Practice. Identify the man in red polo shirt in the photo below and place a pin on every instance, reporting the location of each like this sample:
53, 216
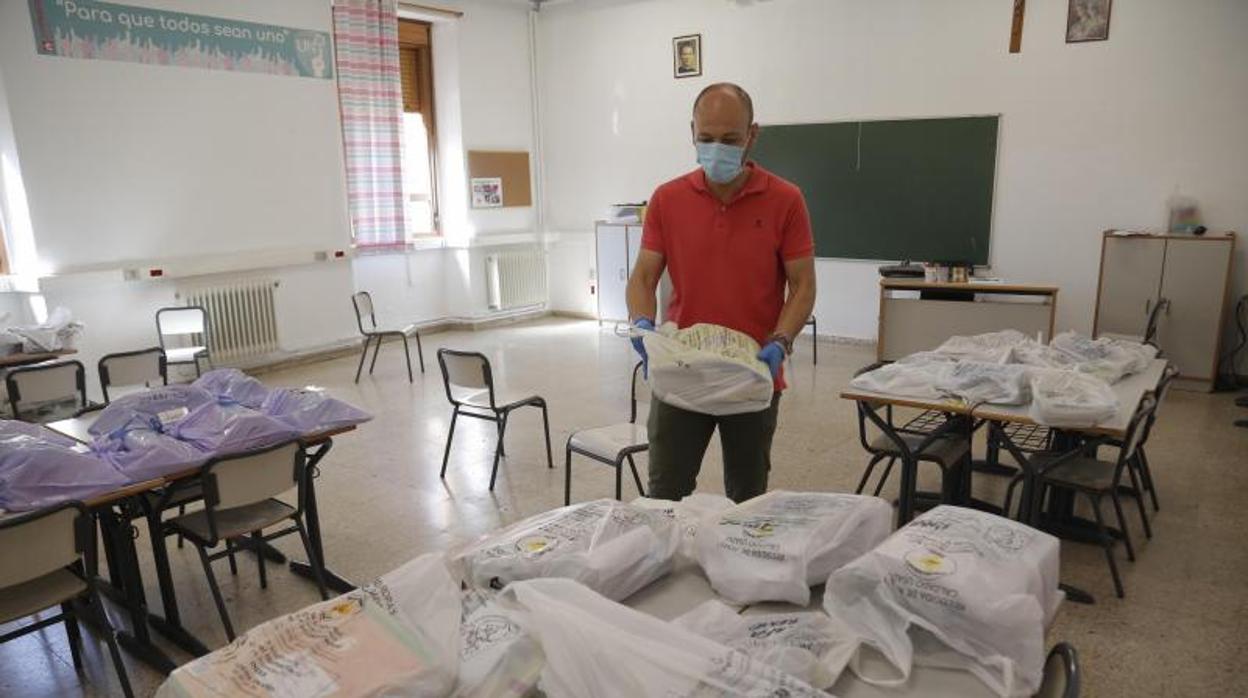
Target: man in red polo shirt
732, 236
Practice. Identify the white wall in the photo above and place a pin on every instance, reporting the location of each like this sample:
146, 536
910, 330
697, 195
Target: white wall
1092, 136
124, 161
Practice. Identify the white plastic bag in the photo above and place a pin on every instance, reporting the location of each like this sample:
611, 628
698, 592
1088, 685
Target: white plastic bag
60, 331
990, 347
611, 547
915, 376
976, 382
775, 546
1070, 399
708, 369
981, 585
596, 647
1106, 358
688, 514
397, 636
496, 658
804, 644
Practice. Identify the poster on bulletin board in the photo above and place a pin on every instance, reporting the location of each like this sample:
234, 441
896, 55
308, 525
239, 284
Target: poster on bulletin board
112, 32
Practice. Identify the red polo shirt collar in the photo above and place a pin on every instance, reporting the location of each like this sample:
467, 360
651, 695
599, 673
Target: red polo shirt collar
757, 182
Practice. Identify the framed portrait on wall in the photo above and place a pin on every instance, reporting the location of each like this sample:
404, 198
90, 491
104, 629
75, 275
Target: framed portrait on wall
1087, 20
687, 56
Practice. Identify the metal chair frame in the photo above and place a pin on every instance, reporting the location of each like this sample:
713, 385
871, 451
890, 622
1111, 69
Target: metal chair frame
206, 354
372, 333
105, 379
494, 412
257, 540
91, 612
15, 395
814, 339
625, 454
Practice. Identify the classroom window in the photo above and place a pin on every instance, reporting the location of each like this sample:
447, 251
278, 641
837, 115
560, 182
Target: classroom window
419, 129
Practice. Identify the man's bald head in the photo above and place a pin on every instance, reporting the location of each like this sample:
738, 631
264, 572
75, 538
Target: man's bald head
718, 92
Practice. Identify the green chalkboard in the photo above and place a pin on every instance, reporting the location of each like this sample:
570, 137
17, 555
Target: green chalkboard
918, 189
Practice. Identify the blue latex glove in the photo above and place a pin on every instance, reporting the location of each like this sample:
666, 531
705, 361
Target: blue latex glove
643, 323
773, 356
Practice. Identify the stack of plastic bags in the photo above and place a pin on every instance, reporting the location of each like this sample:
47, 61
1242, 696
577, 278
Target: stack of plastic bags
955, 588
398, 636
235, 385
310, 411
609, 546
708, 369
39, 468
775, 546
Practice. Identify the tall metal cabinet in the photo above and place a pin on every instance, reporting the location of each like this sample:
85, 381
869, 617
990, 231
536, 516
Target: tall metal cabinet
618, 245
1192, 273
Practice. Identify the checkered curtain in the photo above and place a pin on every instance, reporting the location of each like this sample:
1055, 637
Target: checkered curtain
370, 97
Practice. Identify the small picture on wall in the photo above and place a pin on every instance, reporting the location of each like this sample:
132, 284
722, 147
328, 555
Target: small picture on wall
1087, 20
487, 192
687, 56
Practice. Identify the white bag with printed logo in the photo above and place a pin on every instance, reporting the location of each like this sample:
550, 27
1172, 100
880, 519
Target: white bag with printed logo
597, 647
805, 644
394, 637
1070, 398
775, 546
689, 514
496, 658
611, 547
980, 587
708, 369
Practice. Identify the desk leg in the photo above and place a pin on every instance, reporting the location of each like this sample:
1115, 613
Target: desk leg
138, 640
313, 521
170, 625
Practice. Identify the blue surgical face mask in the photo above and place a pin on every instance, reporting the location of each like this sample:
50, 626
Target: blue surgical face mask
721, 162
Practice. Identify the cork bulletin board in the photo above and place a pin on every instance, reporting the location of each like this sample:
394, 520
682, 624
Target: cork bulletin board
511, 167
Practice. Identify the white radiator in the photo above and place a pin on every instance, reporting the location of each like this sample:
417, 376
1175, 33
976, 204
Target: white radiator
516, 278
242, 320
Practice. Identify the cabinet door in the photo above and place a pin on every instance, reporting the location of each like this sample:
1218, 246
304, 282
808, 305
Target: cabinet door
634, 246
1194, 281
1130, 279
612, 272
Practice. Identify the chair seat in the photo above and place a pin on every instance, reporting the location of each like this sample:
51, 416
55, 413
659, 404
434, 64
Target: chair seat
39, 593
232, 523
1088, 474
503, 399
608, 442
183, 355
946, 450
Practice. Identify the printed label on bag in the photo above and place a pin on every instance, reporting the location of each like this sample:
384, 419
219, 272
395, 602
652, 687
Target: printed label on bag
170, 416
779, 529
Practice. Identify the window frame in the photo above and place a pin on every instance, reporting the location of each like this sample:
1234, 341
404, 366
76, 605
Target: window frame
416, 41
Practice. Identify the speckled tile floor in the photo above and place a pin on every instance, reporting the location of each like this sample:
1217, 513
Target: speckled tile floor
1182, 629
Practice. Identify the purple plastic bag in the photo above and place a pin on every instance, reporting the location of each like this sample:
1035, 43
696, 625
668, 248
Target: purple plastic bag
39, 468
312, 411
235, 385
142, 453
157, 408
225, 429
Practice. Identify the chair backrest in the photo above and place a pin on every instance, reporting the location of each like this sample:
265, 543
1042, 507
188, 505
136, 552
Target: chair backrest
362, 301
45, 383
146, 367
42, 541
1137, 427
465, 373
639, 392
182, 320
236, 481
1061, 673
1154, 317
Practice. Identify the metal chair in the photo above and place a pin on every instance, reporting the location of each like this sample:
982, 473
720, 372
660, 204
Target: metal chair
47, 392
1141, 460
1154, 318
468, 379
1097, 479
813, 322
239, 503
188, 320
363, 304
1062, 677
131, 369
48, 556
945, 445
612, 444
